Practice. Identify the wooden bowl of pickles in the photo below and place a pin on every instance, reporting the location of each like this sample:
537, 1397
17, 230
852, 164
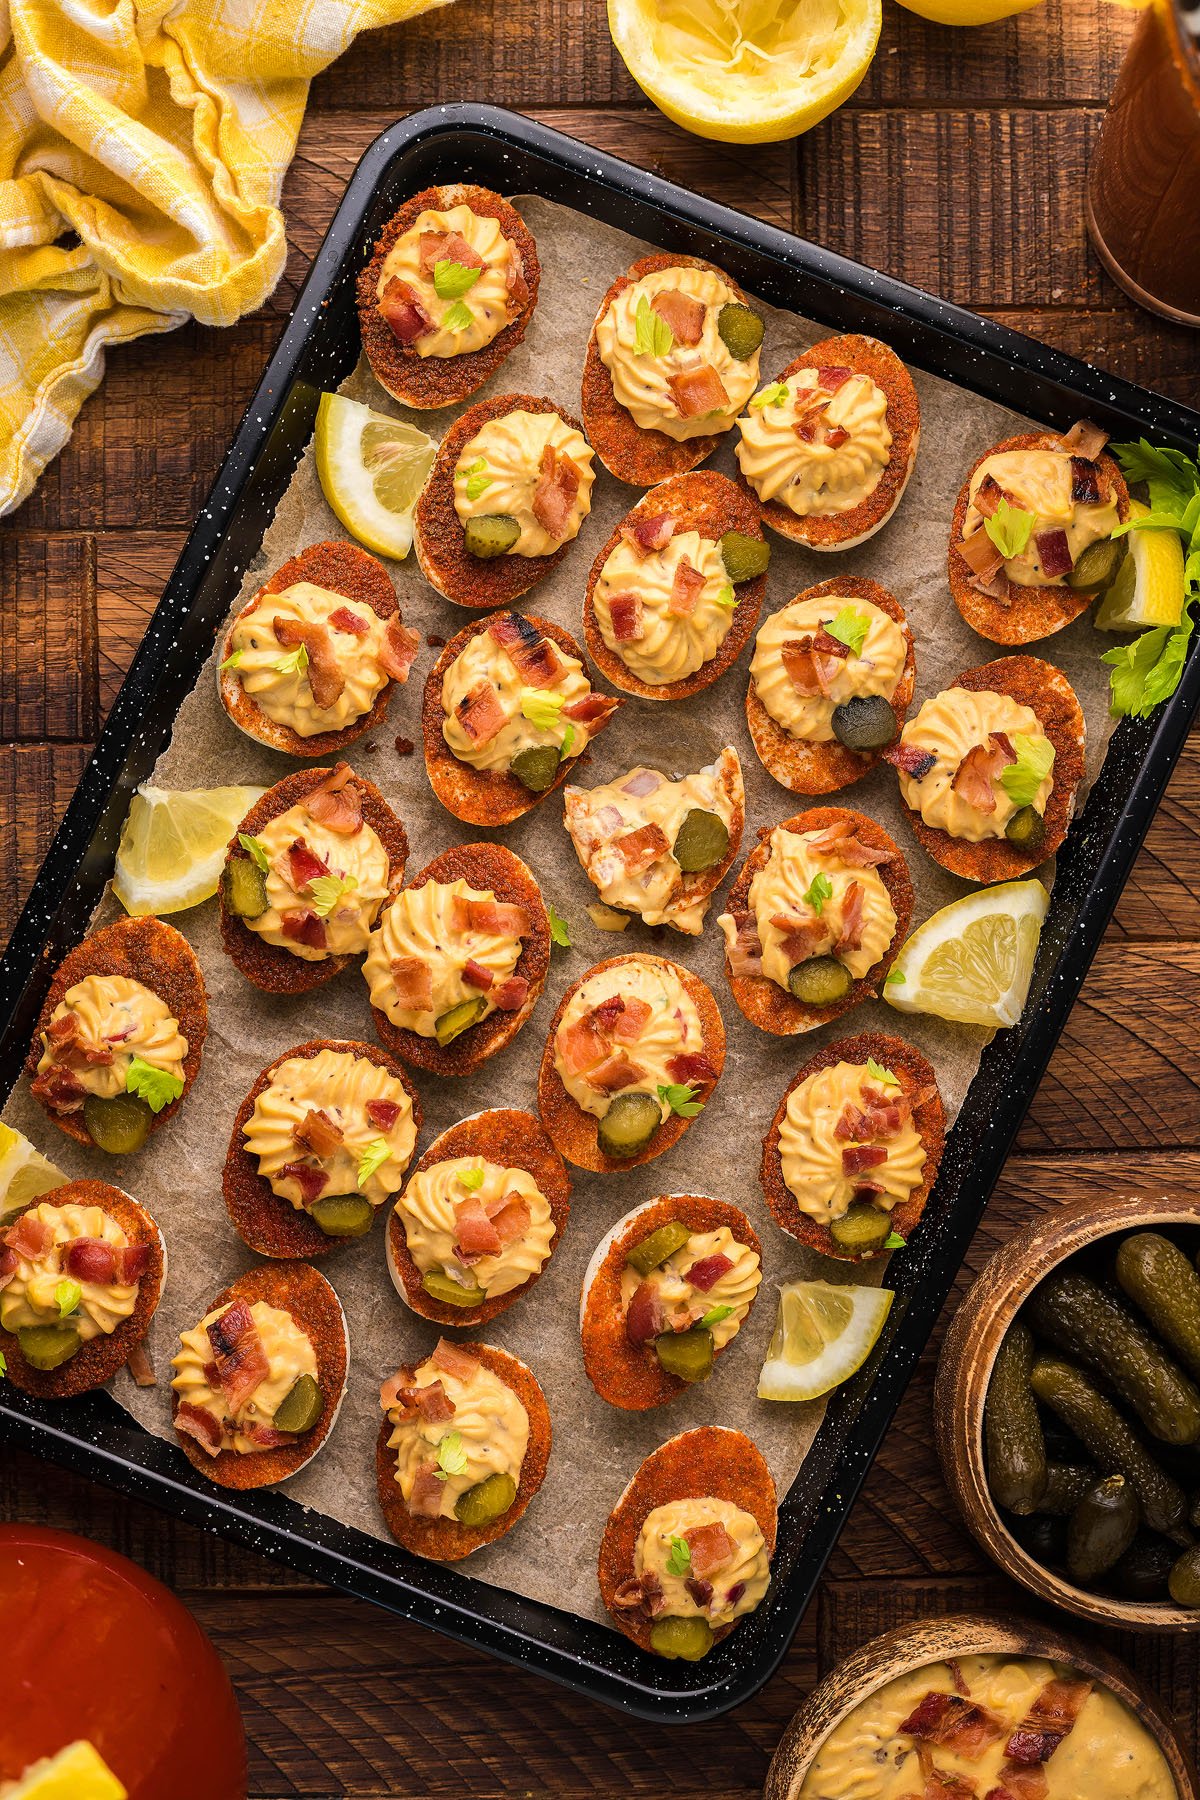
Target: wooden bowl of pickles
1067, 1410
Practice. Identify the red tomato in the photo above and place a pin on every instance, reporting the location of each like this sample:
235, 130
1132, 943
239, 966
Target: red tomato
92, 1647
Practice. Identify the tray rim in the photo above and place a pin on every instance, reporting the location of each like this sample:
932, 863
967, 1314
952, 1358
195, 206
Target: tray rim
618, 1678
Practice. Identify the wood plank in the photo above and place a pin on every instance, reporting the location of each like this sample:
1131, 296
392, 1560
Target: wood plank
1162, 896
132, 568
48, 676
1141, 348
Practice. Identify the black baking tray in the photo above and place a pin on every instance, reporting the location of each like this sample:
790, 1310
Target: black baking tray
319, 346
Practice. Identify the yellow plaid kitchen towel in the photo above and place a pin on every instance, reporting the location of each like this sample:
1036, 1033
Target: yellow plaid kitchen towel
143, 145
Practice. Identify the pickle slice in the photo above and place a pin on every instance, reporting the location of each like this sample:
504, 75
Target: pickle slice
300, 1407
701, 841
452, 1024
744, 556
686, 1354
740, 330
118, 1124
862, 1228
654, 1250
1026, 829
486, 1501
536, 767
821, 981
342, 1215
491, 535
689, 1639
48, 1346
440, 1286
629, 1124
245, 888
864, 722
1097, 566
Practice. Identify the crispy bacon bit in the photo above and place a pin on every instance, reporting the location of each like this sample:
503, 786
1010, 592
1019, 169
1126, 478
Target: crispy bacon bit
643, 1593
626, 613
265, 1437
382, 1114
1084, 439
311, 1181
412, 979
324, 673
69, 1047
592, 710
857, 1157
1020, 1782
830, 380
403, 313
94, 1259
608, 1013
691, 1068
540, 665
58, 1089
476, 976
238, 1354
447, 246
836, 436
398, 650
802, 938
797, 658
141, 1365
648, 535
480, 713
808, 428
1054, 553
645, 1316
1085, 481
344, 620
303, 927
513, 1219
638, 849
511, 631
318, 1133
682, 313
685, 590
614, 1073
496, 918
1050, 1719
304, 866
556, 492
941, 1785
708, 1271
701, 1591
711, 1547
196, 1423
978, 770
988, 496
745, 952
425, 1500
433, 1402
582, 1044
956, 1724
453, 1361
511, 995
632, 1019
629, 1596
980, 554
850, 937
698, 391
910, 759
853, 1123
30, 1237
337, 802
8, 1266
473, 1230
393, 1387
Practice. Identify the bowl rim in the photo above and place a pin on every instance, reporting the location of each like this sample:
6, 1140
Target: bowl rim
964, 1372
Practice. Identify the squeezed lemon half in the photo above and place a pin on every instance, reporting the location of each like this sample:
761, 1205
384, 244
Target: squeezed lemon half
372, 469
972, 961
823, 1332
967, 12
746, 71
173, 846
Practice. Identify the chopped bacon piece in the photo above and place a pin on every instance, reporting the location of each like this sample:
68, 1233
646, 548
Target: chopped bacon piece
62, 1034
711, 1547
850, 937
304, 866
853, 1123
58, 1089
884, 1117
1019, 1781
238, 1354
910, 759
141, 1365
476, 976
425, 1500
1085, 481
691, 1068
303, 927
513, 1219
265, 1437
645, 1316
808, 428
30, 1237
495, 918
956, 1724
69, 1048
830, 380
398, 650
540, 666
980, 555
1050, 1719
940, 1784
802, 938
638, 849
512, 630
648, 535
978, 770
453, 1361
433, 1402
403, 313
480, 713
382, 1114
630, 1597
608, 1014
94, 1259
555, 493
447, 246
1084, 439
592, 710
642, 1593
829, 646
511, 995
311, 1181
324, 673
318, 1133
614, 1073
797, 658
337, 803
626, 613
473, 1230
701, 1591
582, 1044
196, 1423
682, 313
698, 391
393, 1387
745, 952
412, 979
1054, 553
685, 590
631, 1020
857, 1157
8, 1266
988, 496
345, 620
708, 1271
836, 436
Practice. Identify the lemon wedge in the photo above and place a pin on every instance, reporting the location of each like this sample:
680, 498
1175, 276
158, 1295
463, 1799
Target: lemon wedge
24, 1172
823, 1333
173, 846
77, 1773
746, 71
372, 469
1148, 589
967, 12
972, 961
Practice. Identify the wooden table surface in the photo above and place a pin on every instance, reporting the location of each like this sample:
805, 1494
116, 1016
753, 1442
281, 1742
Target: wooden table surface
959, 164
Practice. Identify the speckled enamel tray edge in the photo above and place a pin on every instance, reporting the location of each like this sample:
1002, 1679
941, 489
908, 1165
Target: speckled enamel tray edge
318, 346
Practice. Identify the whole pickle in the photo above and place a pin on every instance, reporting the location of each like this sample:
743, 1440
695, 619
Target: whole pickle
1165, 1287
1066, 1484
1110, 1442
1101, 1529
1142, 1573
1041, 1536
1183, 1583
1016, 1450
1093, 1326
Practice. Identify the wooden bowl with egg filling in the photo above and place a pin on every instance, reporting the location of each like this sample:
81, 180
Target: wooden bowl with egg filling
870, 357
343, 569
916, 1077
266, 1223
441, 544
269, 966
912, 1648
634, 455
431, 381
762, 1000
712, 505
964, 1375
514, 1140
1028, 613
487, 796
812, 768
